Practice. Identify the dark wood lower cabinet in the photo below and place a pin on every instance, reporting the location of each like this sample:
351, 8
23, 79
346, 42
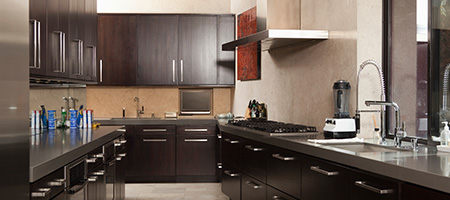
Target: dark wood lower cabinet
158, 156
284, 171
413, 192
370, 187
274, 194
252, 189
231, 182
196, 155
253, 159
324, 180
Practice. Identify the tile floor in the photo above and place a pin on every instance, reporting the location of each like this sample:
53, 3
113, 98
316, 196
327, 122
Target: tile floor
174, 191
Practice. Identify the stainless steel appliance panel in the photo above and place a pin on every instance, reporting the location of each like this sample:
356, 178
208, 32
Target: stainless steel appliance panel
14, 134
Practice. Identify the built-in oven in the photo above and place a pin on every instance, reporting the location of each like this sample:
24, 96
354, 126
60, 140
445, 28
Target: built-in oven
76, 176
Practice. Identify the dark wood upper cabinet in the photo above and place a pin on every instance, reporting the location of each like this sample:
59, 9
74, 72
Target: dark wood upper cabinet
38, 37
76, 39
57, 38
157, 49
197, 50
90, 40
62, 35
225, 59
117, 49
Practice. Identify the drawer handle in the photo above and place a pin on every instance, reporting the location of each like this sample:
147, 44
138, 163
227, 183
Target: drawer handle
91, 160
119, 143
363, 184
229, 173
253, 185
277, 198
57, 183
195, 129
122, 155
100, 155
324, 172
256, 149
154, 140
280, 157
196, 140
99, 173
219, 136
121, 130
231, 141
155, 130
93, 179
41, 192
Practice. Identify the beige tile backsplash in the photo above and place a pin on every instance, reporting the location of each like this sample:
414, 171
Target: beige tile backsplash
52, 98
108, 102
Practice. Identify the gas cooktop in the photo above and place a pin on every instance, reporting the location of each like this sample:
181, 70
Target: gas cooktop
275, 128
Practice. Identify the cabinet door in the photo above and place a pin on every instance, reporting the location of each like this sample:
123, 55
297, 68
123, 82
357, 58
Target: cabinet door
158, 49
253, 155
197, 50
319, 176
119, 184
76, 39
284, 171
413, 192
231, 182
252, 189
157, 156
117, 49
90, 40
38, 36
133, 160
57, 38
196, 155
370, 187
231, 151
225, 59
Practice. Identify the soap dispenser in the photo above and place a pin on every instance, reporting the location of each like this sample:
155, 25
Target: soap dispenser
445, 134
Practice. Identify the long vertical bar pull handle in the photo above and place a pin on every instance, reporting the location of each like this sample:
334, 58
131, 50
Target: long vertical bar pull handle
182, 71
101, 70
173, 71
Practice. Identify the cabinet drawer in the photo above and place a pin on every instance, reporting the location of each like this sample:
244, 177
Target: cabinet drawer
49, 186
230, 150
231, 182
95, 158
197, 129
196, 155
155, 130
274, 194
157, 155
370, 187
252, 189
414, 192
319, 176
253, 157
284, 171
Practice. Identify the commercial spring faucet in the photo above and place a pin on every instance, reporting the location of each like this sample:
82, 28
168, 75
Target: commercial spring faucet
139, 112
382, 97
399, 131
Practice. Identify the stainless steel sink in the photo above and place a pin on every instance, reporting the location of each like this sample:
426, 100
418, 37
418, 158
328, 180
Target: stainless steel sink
367, 147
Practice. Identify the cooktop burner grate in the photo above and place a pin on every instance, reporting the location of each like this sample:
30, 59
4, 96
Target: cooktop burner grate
273, 126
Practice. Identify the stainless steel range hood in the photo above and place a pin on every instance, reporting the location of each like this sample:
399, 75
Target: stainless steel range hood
278, 25
276, 38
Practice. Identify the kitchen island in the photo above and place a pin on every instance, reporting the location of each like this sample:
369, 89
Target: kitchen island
53, 149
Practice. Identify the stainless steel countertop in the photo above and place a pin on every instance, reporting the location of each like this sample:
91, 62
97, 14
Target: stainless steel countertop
51, 150
150, 121
427, 167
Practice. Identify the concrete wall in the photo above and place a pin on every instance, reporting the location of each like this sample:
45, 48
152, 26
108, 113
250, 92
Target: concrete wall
167, 6
296, 82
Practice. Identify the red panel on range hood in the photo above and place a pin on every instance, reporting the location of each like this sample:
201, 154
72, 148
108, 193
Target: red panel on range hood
249, 67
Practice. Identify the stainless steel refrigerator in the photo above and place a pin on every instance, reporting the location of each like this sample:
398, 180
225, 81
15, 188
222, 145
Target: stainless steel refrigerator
14, 100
